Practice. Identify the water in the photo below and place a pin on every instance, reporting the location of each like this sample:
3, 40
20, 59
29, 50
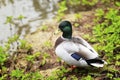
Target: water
35, 12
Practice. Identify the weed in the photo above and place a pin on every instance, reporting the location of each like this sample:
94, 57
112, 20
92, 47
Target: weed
17, 73
62, 9
3, 77
116, 78
83, 2
88, 77
44, 28
3, 56
117, 3
45, 56
76, 2
24, 45
91, 3
61, 72
9, 20
37, 76
32, 57
78, 16
107, 33
13, 39
109, 75
20, 17
47, 44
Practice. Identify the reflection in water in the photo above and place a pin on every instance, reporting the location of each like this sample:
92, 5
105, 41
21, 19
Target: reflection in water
35, 12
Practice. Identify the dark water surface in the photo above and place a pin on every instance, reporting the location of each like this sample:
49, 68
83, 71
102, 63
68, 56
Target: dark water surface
35, 12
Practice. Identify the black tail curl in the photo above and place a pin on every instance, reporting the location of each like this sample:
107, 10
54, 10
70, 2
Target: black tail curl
96, 60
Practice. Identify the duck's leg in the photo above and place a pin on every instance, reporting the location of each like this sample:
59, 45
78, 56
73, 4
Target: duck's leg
72, 67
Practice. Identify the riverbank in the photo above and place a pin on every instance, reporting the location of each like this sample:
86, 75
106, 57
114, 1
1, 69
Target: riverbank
34, 58
49, 30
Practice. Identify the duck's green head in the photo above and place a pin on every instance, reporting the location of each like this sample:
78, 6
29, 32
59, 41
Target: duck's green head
66, 28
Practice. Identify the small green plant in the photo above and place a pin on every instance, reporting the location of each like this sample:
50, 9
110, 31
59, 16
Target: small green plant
74, 77
21, 75
47, 43
62, 9
117, 3
17, 73
3, 77
32, 76
45, 56
44, 28
110, 76
15, 43
116, 78
78, 16
100, 13
83, 2
32, 57
20, 17
87, 2
37, 76
3, 56
88, 77
13, 39
9, 20
60, 72
24, 44
12, 43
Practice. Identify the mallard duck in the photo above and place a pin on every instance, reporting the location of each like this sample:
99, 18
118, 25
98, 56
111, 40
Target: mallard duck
76, 51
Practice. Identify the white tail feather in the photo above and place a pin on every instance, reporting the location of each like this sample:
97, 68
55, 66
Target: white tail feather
97, 64
105, 62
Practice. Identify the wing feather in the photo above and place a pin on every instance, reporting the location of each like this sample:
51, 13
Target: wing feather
80, 46
84, 43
